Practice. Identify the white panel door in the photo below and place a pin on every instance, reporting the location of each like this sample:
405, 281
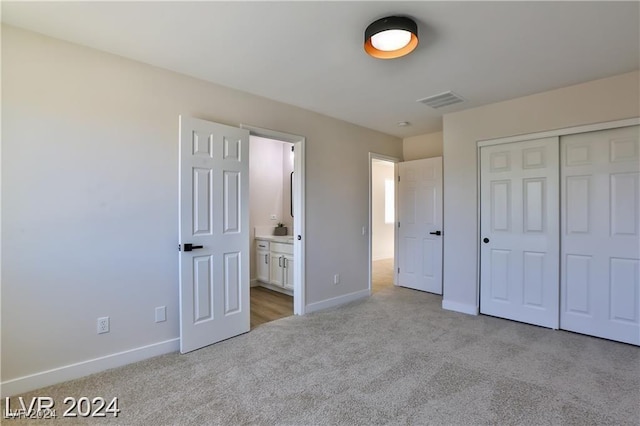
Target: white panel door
519, 221
213, 219
420, 224
600, 281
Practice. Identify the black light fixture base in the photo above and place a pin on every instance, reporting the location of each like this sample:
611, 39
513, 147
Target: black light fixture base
391, 23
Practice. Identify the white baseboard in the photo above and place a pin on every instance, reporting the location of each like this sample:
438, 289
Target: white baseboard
276, 288
84, 368
254, 283
460, 307
336, 301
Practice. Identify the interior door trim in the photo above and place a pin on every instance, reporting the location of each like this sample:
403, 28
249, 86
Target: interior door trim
299, 252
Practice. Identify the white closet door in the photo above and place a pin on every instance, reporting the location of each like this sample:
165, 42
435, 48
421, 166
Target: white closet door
519, 253
600, 291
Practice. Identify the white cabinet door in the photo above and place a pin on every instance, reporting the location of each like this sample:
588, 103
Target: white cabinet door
519, 221
600, 288
288, 271
420, 224
262, 265
214, 187
275, 276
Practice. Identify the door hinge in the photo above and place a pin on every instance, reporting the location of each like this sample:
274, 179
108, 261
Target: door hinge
398, 224
398, 178
398, 270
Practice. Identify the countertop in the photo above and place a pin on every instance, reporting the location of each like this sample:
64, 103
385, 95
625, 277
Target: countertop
285, 239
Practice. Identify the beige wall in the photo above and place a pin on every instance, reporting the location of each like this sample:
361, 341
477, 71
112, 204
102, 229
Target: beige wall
597, 101
418, 147
382, 241
90, 197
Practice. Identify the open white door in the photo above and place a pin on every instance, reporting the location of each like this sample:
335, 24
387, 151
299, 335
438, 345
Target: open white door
420, 224
213, 232
519, 223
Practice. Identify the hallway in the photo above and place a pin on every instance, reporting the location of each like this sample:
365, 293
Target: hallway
381, 275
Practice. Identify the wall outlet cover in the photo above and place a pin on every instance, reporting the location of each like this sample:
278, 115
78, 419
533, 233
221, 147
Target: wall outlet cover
103, 325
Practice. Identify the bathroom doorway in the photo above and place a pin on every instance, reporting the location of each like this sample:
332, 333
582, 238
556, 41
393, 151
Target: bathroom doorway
276, 206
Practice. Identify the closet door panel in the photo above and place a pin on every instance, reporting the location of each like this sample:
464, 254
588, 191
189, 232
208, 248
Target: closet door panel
600, 230
519, 253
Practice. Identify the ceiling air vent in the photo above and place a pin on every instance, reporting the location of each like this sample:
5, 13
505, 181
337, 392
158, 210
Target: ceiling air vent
441, 100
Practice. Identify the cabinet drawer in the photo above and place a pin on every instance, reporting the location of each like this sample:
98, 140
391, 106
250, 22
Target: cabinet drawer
282, 248
262, 245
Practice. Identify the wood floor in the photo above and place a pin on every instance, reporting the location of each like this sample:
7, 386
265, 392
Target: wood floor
268, 305
381, 275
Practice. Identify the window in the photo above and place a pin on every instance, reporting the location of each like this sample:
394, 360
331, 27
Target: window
389, 209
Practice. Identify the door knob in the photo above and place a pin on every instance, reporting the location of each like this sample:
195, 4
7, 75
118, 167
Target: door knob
189, 247
485, 240
436, 233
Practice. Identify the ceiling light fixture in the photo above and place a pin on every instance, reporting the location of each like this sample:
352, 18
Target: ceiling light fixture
391, 37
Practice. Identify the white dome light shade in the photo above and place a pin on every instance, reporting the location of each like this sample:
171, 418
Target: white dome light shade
391, 37
391, 40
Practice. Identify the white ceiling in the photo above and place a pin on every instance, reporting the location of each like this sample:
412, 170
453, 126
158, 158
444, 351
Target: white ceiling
310, 54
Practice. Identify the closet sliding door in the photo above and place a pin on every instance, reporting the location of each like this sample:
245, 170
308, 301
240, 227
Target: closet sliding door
519, 225
600, 262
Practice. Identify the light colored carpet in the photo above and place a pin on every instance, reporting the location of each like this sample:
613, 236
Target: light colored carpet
394, 358
381, 275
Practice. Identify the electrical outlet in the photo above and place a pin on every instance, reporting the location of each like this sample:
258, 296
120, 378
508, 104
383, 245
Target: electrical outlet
103, 325
274, 217
336, 279
161, 313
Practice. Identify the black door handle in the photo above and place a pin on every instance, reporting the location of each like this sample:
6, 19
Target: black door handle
485, 240
436, 233
189, 247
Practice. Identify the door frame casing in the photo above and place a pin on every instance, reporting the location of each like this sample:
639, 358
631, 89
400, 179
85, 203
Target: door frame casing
525, 137
299, 282
395, 161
